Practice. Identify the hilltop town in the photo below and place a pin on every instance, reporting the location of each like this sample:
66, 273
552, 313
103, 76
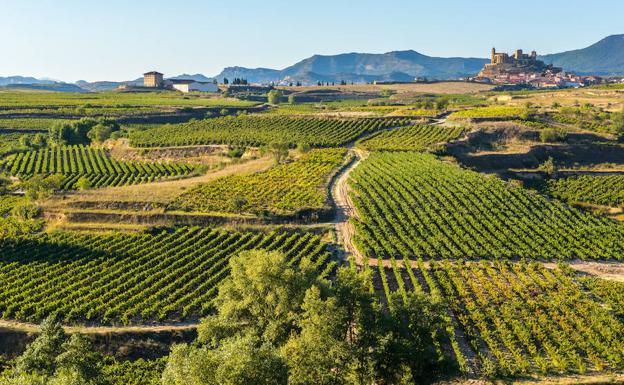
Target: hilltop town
525, 69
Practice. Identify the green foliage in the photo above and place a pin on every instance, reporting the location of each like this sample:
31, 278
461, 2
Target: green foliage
492, 112
54, 358
287, 326
415, 205
82, 131
551, 135
138, 372
601, 190
113, 278
40, 186
411, 138
69, 164
274, 96
83, 183
25, 211
254, 130
283, 189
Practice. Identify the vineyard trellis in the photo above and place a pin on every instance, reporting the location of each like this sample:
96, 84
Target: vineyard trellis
517, 317
283, 189
415, 205
131, 278
411, 138
95, 164
260, 130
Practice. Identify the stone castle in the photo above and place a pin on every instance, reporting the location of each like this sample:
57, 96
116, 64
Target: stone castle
519, 62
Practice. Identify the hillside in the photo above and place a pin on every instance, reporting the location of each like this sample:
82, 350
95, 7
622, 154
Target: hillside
605, 58
363, 67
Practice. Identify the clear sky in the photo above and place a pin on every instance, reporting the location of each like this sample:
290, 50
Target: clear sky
121, 39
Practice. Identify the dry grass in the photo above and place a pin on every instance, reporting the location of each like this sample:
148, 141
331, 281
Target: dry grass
611, 100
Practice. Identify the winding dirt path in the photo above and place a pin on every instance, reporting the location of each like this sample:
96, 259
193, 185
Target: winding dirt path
345, 209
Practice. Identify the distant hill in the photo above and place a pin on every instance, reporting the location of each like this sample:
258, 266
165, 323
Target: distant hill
9, 80
58, 87
361, 67
196, 77
605, 58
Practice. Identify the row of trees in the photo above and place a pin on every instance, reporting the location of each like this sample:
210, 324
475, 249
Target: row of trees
83, 131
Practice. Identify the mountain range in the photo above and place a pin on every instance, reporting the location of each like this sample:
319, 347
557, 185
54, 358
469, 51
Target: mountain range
604, 58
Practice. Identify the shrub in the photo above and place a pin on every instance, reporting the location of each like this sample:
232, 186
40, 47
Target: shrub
551, 135
25, 211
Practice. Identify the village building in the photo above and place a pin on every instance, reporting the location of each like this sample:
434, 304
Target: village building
190, 85
153, 79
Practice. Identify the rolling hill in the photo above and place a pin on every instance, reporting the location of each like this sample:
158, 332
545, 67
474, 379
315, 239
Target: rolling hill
605, 58
362, 67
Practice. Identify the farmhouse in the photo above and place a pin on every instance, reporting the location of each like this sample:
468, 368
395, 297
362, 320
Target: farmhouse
153, 79
189, 85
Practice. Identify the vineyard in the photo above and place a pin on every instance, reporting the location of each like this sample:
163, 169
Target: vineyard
95, 164
259, 130
503, 112
130, 278
285, 188
411, 138
414, 205
600, 190
518, 318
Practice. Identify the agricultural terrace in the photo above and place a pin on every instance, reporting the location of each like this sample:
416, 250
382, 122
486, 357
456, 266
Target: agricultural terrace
259, 130
38, 124
501, 112
284, 189
601, 190
518, 318
94, 164
411, 138
12, 99
137, 278
413, 205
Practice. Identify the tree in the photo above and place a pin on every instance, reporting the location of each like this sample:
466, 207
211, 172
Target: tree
319, 354
618, 125
99, 133
39, 187
273, 96
548, 167
238, 203
279, 151
83, 183
226, 81
303, 148
78, 132
53, 358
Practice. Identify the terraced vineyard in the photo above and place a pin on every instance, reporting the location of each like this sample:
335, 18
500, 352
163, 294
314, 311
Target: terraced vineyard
491, 112
600, 190
95, 164
411, 138
284, 189
260, 130
414, 205
519, 318
130, 278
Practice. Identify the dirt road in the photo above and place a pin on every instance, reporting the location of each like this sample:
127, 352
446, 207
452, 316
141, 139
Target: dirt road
345, 210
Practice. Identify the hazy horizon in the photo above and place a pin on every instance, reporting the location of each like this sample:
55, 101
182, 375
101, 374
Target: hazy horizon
72, 40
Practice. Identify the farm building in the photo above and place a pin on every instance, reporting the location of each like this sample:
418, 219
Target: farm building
153, 79
189, 85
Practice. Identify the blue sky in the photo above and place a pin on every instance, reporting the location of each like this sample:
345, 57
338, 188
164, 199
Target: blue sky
119, 40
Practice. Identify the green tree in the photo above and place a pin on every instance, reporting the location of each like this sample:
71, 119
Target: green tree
99, 133
274, 96
319, 354
238, 203
279, 151
53, 358
40, 187
83, 183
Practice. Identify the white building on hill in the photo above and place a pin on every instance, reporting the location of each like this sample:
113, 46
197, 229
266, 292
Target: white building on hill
189, 85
